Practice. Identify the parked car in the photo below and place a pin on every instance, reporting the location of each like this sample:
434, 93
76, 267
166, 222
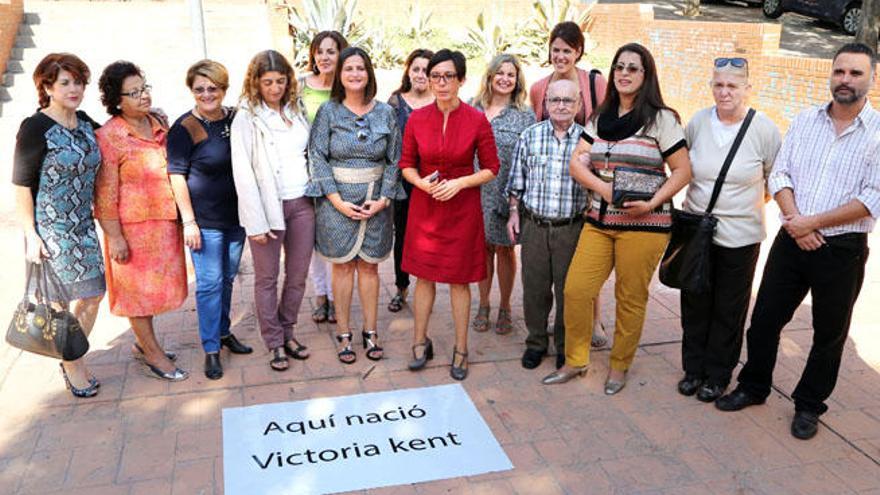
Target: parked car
845, 13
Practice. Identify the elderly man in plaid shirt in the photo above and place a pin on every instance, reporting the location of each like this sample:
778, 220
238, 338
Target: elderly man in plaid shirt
546, 207
826, 180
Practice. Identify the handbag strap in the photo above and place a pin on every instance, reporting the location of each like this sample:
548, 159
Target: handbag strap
729, 160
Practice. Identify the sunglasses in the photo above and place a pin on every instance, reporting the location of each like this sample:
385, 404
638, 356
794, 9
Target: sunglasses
363, 128
629, 69
737, 62
206, 89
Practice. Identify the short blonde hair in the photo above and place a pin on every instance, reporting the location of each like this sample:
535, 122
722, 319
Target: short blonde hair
518, 97
215, 71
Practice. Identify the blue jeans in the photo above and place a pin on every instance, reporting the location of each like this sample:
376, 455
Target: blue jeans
216, 264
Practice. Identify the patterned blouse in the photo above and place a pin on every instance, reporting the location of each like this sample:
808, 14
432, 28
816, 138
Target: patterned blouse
133, 183
646, 149
355, 157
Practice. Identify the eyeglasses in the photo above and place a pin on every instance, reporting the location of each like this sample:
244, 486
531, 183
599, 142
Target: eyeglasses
737, 62
445, 77
136, 93
561, 101
206, 89
363, 128
629, 69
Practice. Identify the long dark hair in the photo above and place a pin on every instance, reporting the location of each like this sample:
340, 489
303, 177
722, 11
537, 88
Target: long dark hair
649, 100
337, 92
405, 83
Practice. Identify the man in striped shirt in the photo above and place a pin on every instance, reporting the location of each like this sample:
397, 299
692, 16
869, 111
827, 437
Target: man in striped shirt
826, 180
547, 204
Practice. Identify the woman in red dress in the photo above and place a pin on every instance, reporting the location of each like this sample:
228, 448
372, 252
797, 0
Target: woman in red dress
444, 233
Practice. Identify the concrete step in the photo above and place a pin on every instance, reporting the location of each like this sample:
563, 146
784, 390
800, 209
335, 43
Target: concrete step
14, 66
24, 41
31, 18
17, 53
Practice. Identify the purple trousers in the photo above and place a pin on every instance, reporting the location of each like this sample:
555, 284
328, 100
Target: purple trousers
277, 318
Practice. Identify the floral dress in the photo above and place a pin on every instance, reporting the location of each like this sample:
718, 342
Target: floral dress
506, 127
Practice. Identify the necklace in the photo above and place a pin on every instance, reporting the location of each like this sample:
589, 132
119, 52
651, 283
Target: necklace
224, 133
610, 146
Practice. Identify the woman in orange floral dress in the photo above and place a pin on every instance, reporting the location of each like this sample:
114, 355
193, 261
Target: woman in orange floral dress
143, 245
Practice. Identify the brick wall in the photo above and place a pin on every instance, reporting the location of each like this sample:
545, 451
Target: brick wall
10, 17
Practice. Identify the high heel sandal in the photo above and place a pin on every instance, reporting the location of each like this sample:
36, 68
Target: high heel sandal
459, 372
346, 351
82, 393
374, 351
138, 354
427, 353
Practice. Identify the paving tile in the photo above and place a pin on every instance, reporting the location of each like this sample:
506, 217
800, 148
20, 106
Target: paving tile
194, 477
45, 472
198, 444
93, 465
148, 457
152, 487
646, 472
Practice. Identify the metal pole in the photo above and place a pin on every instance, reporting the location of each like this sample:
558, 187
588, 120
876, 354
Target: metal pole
197, 25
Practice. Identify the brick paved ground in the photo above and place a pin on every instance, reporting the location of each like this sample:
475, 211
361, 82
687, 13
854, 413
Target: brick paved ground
143, 436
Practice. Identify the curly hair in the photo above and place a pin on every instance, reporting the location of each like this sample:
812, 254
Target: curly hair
110, 84
263, 62
518, 97
46, 73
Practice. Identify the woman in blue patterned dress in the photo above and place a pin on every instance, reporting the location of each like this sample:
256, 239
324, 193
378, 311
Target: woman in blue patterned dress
502, 97
354, 148
56, 160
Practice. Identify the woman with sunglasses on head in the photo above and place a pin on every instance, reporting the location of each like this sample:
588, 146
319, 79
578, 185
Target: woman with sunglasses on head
200, 169
55, 163
713, 321
445, 241
502, 98
354, 148
134, 203
566, 48
269, 139
314, 90
412, 94
632, 137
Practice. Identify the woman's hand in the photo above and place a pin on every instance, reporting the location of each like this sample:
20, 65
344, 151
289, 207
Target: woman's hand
34, 250
262, 239
373, 206
447, 189
192, 235
637, 208
427, 186
513, 226
351, 210
118, 249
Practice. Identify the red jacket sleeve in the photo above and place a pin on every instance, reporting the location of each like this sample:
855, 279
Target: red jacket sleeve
487, 152
409, 153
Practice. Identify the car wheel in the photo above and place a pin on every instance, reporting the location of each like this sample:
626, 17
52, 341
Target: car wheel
772, 8
852, 19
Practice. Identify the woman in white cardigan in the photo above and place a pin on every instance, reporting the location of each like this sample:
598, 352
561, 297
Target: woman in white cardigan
713, 322
270, 136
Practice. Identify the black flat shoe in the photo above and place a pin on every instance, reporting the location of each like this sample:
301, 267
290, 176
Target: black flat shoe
213, 368
296, 350
689, 385
232, 343
82, 393
804, 425
459, 372
532, 358
419, 362
737, 400
710, 392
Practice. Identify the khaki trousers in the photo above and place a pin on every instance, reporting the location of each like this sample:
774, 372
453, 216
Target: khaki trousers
633, 256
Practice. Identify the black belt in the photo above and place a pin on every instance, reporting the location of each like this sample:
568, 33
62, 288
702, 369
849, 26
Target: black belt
551, 222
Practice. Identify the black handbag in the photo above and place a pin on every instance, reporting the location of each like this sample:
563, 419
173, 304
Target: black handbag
635, 184
687, 262
39, 327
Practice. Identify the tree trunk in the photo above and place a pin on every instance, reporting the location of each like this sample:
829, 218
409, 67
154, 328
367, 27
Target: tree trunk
868, 30
692, 8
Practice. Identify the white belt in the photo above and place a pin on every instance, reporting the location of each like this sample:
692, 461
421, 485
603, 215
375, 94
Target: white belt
357, 175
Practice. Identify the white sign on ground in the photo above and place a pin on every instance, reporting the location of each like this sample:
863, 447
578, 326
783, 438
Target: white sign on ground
356, 442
